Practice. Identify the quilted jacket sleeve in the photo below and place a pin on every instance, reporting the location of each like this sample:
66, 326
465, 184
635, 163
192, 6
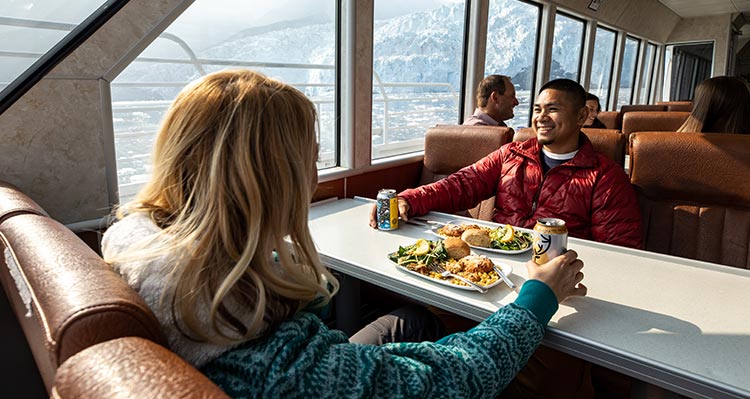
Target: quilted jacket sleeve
615, 214
459, 191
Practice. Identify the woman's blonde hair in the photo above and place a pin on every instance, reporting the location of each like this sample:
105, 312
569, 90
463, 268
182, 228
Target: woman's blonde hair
721, 105
233, 176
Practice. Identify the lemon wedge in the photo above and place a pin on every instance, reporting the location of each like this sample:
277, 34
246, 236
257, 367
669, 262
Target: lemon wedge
421, 247
507, 234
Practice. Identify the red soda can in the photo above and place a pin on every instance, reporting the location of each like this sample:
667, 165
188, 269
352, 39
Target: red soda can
550, 239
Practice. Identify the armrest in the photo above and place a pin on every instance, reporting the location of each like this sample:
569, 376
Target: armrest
131, 367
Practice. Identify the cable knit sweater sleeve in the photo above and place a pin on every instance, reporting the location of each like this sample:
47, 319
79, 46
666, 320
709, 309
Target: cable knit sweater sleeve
303, 359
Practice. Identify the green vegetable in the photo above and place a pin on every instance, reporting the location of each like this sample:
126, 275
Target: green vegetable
405, 255
521, 240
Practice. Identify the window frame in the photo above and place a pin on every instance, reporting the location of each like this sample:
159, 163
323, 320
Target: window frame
584, 22
606, 105
635, 66
34, 73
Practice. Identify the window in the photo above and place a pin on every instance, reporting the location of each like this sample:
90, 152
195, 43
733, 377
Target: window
297, 48
627, 74
648, 67
30, 29
512, 35
601, 65
417, 57
567, 48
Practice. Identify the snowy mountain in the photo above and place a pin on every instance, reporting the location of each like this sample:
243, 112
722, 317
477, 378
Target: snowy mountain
418, 47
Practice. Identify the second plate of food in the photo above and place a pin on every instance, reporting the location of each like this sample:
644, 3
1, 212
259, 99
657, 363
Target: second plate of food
504, 239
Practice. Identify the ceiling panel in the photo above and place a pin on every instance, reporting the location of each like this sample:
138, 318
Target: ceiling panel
697, 8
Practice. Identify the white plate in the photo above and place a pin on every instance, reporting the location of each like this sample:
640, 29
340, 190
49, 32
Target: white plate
506, 268
495, 250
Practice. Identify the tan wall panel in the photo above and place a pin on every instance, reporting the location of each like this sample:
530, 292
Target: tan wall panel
54, 136
52, 151
712, 28
646, 18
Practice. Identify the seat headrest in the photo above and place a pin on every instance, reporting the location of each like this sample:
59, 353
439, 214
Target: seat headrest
711, 168
610, 119
64, 295
610, 142
663, 121
524, 134
449, 148
13, 201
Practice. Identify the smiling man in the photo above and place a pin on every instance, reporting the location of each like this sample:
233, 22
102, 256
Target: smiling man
558, 175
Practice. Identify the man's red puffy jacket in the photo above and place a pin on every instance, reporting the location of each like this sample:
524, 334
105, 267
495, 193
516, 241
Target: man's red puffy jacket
590, 192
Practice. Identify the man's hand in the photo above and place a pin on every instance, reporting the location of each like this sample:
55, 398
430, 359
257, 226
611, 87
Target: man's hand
403, 212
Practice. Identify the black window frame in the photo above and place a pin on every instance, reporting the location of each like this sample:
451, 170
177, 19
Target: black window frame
583, 40
41, 67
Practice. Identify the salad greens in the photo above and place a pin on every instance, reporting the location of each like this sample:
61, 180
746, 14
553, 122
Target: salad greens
422, 252
521, 240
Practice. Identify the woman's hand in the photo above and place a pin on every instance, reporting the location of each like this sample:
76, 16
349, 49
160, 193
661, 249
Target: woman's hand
403, 212
562, 274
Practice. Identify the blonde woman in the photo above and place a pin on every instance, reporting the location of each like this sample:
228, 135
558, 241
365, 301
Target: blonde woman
204, 244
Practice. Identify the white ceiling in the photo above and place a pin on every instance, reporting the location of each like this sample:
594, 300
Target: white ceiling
697, 8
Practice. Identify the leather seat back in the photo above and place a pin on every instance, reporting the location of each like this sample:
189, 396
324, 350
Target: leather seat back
610, 119
680, 106
694, 193
13, 202
638, 108
663, 121
448, 148
65, 297
131, 367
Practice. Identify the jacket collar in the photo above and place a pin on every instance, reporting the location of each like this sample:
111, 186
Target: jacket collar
585, 158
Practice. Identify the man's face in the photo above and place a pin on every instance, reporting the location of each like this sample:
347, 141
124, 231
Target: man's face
504, 103
556, 121
592, 106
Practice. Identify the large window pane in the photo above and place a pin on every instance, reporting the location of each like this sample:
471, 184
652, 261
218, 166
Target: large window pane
417, 53
627, 75
601, 65
30, 28
567, 48
512, 35
298, 49
646, 78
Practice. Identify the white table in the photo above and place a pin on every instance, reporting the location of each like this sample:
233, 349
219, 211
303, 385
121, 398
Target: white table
674, 322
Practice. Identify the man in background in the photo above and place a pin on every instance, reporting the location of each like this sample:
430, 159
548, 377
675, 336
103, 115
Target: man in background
496, 98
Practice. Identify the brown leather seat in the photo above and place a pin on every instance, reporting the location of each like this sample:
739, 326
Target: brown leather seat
131, 368
610, 119
694, 192
638, 108
449, 148
13, 202
609, 142
663, 121
65, 297
681, 106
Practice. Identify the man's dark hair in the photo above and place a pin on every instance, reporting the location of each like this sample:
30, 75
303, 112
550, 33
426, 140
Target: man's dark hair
488, 85
571, 87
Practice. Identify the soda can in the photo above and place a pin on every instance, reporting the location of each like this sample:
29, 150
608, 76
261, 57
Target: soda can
550, 239
387, 209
